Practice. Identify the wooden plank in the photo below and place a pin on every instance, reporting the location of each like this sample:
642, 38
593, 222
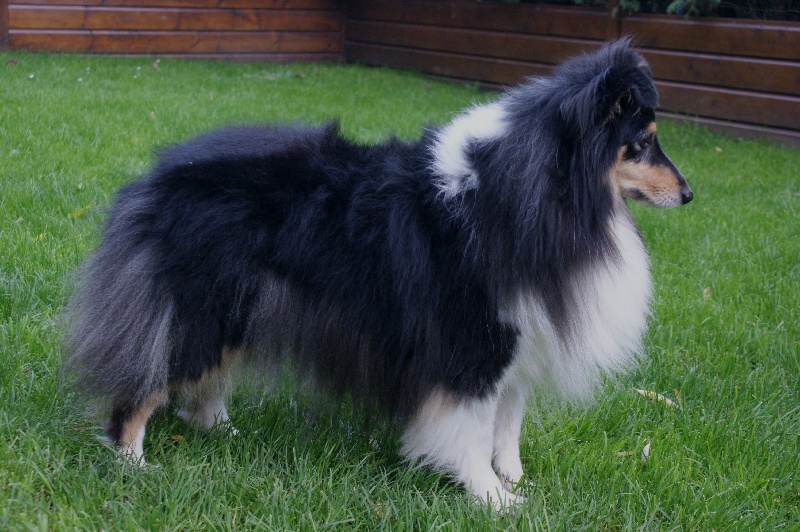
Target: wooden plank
732, 105
254, 57
779, 40
3, 24
331, 5
99, 18
485, 70
754, 74
782, 136
534, 48
581, 23
162, 42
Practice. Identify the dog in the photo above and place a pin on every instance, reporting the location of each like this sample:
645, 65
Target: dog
441, 281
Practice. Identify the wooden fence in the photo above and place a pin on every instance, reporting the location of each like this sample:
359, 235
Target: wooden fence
741, 76
255, 30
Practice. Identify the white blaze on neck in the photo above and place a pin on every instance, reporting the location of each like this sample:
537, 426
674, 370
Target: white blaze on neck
451, 164
610, 318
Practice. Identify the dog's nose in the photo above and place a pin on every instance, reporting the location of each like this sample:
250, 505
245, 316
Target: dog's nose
686, 195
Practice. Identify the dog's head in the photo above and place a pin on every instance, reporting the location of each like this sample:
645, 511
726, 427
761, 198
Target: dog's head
612, 103
642, 171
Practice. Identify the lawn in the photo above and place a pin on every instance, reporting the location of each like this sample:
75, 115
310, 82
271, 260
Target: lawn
724, 343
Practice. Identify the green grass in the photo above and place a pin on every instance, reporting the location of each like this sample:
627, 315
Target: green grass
725, 332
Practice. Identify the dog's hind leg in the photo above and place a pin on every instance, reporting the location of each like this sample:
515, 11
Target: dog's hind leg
203, 400
126, 426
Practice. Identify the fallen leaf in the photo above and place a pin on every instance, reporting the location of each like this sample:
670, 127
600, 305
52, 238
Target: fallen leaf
718, 149
81, 211
660, 398
706, 293
678, 395
626, 453
177, 437
645, 454
38, 237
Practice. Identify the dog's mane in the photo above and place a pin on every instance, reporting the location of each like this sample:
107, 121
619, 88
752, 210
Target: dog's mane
543, 182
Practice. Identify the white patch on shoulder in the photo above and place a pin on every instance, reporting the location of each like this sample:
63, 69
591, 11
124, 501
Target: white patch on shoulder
451, 165
610, 321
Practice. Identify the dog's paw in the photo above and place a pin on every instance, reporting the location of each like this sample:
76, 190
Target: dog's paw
501, 500
125, 455
511, 483
228, 427
208, 421
505, 502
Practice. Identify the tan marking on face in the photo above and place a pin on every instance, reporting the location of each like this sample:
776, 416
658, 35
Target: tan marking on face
621, 154
651, 129
653, 185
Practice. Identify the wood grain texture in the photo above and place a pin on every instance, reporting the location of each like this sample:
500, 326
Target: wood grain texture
3, 24
331, 5
731, 105
210, 28
746, 73
543, 19
788, 137
488, 71
170, 19
172, 42
480, 43
738, 38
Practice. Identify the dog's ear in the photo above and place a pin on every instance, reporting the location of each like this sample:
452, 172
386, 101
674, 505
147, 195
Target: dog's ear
623, 103
595, 88
603, 99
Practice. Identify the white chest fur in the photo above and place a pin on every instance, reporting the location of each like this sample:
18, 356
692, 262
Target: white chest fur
610, 319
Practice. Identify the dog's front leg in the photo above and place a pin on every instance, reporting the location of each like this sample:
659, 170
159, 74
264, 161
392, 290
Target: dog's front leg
456, 435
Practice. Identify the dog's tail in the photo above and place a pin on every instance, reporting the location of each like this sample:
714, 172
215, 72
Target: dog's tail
120, 325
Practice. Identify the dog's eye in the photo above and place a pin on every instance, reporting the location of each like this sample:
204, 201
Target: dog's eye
635, 149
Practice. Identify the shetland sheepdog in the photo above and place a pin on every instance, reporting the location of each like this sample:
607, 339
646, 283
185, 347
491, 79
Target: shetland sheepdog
441, 281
